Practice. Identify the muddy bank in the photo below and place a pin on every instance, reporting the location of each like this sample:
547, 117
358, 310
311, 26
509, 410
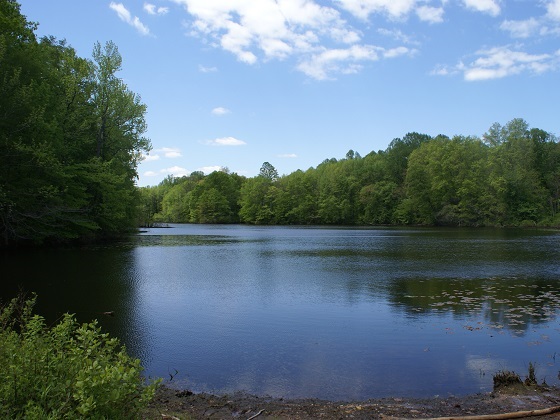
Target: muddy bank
170, 403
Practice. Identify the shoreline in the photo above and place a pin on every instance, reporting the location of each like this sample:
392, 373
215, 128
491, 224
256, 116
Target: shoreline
173, 404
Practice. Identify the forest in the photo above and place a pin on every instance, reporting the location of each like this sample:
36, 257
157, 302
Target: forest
71, 138
72, 135
509, 177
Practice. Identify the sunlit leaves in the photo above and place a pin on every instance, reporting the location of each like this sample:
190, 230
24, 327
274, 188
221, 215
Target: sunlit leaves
510, 179
71, 136
66, 371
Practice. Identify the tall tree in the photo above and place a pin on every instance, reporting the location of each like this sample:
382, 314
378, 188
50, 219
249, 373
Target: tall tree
398, 152
119, 112
268, 171
119, 120
257, 201
70, 138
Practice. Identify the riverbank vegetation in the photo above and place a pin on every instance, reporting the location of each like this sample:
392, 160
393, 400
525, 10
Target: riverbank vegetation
509, 177
71, 137
65, 371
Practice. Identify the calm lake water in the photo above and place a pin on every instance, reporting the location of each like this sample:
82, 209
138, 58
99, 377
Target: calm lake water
335, 313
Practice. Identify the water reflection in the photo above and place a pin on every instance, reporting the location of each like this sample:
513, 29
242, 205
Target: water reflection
86, 282
318, 312
514, 304
341, 313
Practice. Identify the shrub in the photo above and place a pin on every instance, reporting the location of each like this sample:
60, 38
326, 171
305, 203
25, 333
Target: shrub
67, 371
505, 378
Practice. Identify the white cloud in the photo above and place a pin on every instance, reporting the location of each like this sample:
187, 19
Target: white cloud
492, 7
521, 28
553, 9
346, 61
319, 66
301, 29
345, 36
150, 8
175, 171
440, 70
153, 10
150, 158
395, 9
430, 14
122, 12
225, 141
554, 31
500, 62
397, 35
170, 152
397, 52
220, 111
125, 16
204, 69
287, 156
209, 169
546, 25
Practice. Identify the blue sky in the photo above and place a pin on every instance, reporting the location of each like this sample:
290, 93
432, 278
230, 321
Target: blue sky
235, 83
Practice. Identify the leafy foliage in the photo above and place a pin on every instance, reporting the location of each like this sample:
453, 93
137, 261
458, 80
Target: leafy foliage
510, 177
67, 371
71, 137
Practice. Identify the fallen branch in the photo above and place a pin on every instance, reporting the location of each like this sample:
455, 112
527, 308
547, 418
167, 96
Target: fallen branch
503, 416
256, 415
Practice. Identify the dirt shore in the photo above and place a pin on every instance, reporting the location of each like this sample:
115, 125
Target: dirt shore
173, 404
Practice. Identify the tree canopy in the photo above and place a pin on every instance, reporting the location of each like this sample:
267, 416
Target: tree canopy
510, 177
71, 138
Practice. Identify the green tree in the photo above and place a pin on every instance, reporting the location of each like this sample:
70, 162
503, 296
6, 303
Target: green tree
70, 138
119, 118
296, 201
398, 152
213, 207
257, 201
379, 202
338, 188
443, 180
175, 205
494, 136
150, 204
268, 171
510, 177
39, 197
228, 185
516, 182
119, 112
546, 152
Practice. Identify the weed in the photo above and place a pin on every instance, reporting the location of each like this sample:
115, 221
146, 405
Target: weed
531, 379
506, 378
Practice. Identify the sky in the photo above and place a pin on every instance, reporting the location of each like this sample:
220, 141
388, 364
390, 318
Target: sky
236, 83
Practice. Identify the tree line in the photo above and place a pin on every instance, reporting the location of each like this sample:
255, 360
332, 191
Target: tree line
71, 137
509, 177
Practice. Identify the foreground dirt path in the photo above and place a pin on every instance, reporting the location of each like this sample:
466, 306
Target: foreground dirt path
172, 404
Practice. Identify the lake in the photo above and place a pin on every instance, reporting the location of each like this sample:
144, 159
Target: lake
334, 313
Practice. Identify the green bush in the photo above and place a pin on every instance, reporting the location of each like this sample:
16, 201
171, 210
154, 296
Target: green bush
66, 371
